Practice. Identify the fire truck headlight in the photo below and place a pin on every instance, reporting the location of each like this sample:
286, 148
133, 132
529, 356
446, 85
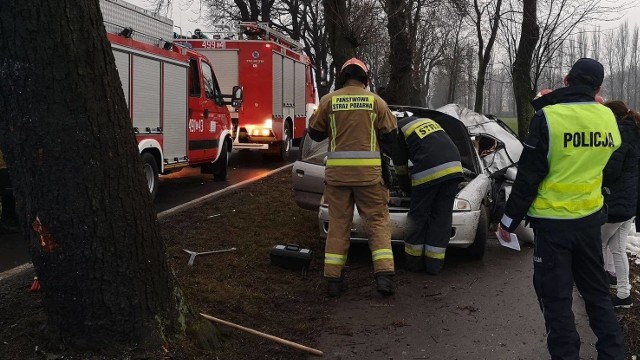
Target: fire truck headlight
268, 123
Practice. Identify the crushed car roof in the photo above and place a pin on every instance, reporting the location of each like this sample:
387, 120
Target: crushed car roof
487, 125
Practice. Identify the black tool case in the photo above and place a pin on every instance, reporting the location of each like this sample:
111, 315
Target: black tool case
291, 256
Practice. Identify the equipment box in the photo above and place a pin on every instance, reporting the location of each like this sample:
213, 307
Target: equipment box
291, 256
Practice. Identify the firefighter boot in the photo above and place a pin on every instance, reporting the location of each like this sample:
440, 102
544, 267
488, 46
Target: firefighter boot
335, 287
384, 285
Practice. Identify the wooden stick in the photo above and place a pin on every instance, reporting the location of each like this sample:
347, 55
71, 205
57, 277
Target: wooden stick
270, 337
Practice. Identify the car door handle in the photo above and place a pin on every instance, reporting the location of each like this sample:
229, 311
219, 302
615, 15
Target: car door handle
300, 172
206, 113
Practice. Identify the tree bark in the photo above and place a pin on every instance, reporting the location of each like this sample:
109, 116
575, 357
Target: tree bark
522, 87
484, 54
336, 22
82, 197
400, 89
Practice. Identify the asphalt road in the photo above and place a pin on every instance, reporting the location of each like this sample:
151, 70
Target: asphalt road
472, 310
175, 189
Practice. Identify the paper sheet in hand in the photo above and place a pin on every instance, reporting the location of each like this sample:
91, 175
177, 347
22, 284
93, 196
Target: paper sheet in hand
513, 244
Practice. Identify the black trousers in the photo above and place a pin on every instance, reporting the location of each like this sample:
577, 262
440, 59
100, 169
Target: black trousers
562, 258
429, 230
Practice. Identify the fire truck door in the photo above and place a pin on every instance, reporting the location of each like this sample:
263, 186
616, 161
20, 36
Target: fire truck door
203, 129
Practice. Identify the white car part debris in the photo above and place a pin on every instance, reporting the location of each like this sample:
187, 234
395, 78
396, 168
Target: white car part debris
193, 254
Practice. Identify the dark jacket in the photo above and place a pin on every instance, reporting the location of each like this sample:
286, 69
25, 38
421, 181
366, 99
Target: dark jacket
620, 181
533, 166
430, 149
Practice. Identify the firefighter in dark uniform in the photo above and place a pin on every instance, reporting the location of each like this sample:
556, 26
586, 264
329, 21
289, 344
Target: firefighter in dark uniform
433, 185
359, 125
558, 187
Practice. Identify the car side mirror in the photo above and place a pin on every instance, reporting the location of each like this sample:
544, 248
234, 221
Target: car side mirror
236, 97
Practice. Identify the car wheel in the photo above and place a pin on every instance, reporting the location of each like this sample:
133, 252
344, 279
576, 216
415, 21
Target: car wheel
150, 168
476, 250
221, 165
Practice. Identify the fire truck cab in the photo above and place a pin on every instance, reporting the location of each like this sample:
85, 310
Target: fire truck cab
275, 75
179, 115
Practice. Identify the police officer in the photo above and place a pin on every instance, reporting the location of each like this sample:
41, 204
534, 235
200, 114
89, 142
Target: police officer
433, 185
558, 187
358, 124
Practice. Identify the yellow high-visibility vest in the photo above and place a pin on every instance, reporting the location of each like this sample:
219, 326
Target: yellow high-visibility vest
582, 137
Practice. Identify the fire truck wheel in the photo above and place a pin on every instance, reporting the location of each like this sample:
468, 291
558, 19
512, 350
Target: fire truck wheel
285, 146
150, 168
221, 165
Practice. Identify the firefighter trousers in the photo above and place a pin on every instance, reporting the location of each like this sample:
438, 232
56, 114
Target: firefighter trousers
560, 259
429, 231
372, 202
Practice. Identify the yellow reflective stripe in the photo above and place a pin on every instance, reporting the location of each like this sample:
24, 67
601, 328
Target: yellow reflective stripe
373, 131
382, 254
571, 205
401, 169
437, 175
332, 123
571, 188
413, 250
354, 162
334, 259
434, 255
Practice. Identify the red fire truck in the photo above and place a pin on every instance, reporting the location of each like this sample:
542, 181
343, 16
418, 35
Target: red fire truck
178, 113
275, 76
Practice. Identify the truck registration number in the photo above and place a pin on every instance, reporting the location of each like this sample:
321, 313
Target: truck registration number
196, 125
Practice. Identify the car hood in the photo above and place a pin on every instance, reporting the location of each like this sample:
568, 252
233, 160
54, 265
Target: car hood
488, 125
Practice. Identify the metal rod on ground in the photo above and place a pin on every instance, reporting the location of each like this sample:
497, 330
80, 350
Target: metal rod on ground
270, 337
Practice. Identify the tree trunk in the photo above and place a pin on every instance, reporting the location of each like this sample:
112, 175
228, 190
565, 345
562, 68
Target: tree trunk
82, 197
484, 55
336, 22
522, 90
399, 90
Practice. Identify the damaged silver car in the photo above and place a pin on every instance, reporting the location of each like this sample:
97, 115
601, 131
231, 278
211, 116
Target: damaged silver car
489, 152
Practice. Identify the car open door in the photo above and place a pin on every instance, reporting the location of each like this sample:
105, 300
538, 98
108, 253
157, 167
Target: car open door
308, 173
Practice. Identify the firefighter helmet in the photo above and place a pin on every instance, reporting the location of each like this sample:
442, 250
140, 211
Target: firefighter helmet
358, 63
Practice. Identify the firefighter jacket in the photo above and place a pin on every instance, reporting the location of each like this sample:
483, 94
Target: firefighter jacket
620, 176
559, 179
434, 156
357, 122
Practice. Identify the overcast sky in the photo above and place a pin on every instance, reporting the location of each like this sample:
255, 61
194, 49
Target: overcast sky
187, 18
182, 15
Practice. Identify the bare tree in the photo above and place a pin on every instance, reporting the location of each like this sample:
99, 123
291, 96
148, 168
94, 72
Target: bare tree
400, 88
559, 20
454, 62
635, 59
522, 84
622, 49
242, 10
491, 11
83, 202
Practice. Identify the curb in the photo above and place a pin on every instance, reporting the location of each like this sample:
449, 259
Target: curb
218, 193
15, 271
24, 267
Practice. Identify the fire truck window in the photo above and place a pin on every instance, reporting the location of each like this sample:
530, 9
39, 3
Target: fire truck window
210, 83
194, 78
